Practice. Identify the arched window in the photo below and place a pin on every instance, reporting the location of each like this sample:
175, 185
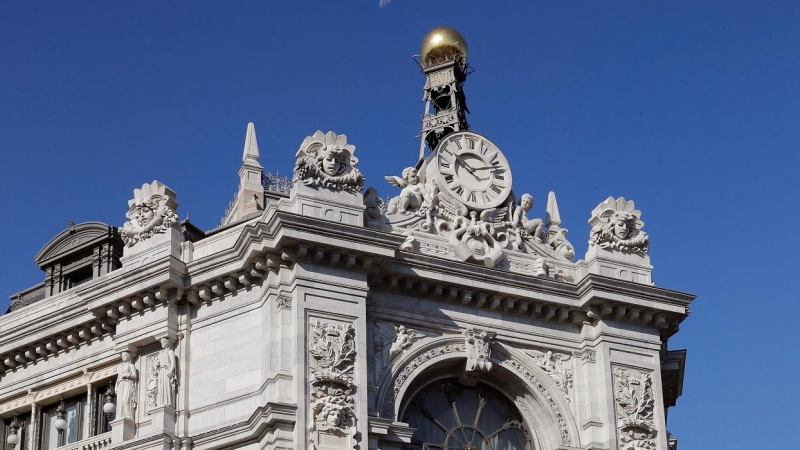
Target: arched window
451, 416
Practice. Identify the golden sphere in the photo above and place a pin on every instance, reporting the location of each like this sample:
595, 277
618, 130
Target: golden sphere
442, 44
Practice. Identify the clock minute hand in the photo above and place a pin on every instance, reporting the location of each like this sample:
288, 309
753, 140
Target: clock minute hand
466, 166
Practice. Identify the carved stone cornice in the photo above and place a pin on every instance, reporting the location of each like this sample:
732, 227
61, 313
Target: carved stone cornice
43, 391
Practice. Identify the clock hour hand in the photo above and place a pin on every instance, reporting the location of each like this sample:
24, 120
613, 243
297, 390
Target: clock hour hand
465, 165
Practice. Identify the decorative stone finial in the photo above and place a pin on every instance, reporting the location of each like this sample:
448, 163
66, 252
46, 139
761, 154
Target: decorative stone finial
250, 153
557, 236
327, 160
151, 211
617, 225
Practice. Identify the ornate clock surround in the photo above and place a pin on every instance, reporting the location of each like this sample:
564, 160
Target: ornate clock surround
472, 169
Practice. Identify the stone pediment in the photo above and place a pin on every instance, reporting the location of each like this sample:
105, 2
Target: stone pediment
76, 237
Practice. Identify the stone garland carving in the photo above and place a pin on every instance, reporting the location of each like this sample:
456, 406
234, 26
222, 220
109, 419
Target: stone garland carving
479, 351
150, 212
126, 387
162, 383
332, 348
633, 393
509, 362
390, 341
616, 225
327, 160
556, 367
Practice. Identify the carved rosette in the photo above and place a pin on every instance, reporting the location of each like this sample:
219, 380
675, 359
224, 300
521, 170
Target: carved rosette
150, 212
635, 406
326, 160
332, 349
617, 225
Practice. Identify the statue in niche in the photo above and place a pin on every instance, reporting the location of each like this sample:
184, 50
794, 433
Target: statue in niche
127, 378
617, 225
533, 227
327, 160
161, 387
414, 195
150, 212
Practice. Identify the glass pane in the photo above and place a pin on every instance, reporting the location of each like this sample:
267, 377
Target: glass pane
432, 413
73, 431
493, 416
440, 407
467, 406
49, 432
510, 439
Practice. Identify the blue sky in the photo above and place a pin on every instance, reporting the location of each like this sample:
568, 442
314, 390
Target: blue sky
689, 108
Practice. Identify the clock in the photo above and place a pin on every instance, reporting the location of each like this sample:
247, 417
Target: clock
473, 170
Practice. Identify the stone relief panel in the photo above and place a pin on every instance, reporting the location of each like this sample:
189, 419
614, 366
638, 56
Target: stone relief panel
333, 355
635, 407
326, 160
390, 342
560, 417
557, 367
162, 378
617, 225
126, 386
150, 212
283, 302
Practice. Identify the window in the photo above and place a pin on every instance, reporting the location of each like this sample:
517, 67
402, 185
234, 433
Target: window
76, 410
451, 416
24, 424
100, 424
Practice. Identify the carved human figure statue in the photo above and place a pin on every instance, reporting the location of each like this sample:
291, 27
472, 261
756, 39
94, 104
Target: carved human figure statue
413, 196
520, 219
166, 377
127, 378
403, 340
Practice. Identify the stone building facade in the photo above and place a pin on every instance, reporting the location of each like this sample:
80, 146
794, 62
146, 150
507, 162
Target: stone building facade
319, 316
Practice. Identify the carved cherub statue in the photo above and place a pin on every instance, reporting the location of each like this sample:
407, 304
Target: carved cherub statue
520, 218
414, 195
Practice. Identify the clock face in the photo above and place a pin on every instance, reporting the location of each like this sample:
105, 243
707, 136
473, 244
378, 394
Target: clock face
472, 169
